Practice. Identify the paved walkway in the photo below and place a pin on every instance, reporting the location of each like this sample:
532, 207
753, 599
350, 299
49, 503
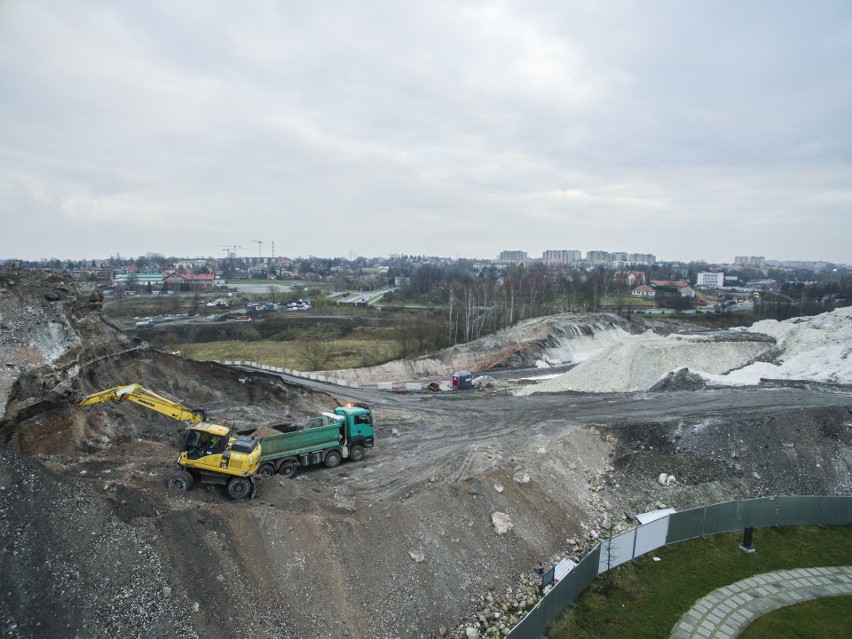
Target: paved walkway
725, 612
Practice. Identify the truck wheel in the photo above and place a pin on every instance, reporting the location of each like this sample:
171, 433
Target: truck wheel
288, 469
332, 459
239, 487
357, 453
266, 469
181, 481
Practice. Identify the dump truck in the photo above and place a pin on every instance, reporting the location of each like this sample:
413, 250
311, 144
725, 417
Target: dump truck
326, 439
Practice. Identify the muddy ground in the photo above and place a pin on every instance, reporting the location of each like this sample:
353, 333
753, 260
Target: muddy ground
402, 544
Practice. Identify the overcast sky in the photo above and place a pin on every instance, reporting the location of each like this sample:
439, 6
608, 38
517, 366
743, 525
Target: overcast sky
690, 130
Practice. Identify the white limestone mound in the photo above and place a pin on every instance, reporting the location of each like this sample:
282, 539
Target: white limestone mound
817, 349
637, 362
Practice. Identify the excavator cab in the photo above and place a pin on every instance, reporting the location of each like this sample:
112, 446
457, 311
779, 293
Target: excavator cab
203, 441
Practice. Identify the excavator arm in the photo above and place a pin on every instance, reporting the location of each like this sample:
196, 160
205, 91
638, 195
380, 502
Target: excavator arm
146, 398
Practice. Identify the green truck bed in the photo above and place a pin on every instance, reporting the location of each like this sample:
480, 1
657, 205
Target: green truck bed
303, 441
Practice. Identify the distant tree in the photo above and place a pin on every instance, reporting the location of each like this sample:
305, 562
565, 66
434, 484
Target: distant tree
315, 354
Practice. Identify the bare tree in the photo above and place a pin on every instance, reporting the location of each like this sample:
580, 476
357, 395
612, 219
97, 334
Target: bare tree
315, 354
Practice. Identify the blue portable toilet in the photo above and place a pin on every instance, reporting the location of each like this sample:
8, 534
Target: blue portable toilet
462, 380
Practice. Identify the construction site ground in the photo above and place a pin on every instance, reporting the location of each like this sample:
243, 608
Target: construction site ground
406, 543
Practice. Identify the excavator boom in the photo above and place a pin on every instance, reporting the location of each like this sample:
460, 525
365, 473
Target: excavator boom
144, 397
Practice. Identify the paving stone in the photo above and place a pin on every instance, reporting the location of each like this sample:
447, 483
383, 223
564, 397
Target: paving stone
726, 611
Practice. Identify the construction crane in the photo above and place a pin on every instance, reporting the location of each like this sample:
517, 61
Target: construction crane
259, 251
211, 453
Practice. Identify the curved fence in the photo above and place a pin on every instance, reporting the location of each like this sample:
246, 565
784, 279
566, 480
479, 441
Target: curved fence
675, 527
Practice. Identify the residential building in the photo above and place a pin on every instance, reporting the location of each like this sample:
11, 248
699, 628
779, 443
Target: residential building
631, 277
641, 258
515, 257
755, 261
561, 257
643, 291
710, 280
598, 257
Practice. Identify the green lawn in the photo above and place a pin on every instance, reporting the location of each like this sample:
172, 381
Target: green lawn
817, 619
647, 598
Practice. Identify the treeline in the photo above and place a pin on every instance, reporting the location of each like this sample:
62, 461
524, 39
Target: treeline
476, 304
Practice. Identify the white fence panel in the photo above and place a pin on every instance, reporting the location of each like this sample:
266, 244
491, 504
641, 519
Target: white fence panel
651, 536
617, 551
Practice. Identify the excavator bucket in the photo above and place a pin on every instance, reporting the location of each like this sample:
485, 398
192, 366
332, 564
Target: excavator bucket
62, 394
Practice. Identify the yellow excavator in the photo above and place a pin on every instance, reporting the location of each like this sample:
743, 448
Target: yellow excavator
212, 454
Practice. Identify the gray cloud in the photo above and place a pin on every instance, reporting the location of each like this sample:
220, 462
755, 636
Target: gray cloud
688, 130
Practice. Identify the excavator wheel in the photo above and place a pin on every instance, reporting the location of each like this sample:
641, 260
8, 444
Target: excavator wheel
240, 487
181, 481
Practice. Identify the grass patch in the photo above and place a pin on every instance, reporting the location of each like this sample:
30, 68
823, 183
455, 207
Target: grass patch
829, 617
647, 598
343, 353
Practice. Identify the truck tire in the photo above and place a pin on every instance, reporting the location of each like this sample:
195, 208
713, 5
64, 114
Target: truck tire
181, 481
332, 459
239, 488
288, 469
267, 469
357, 453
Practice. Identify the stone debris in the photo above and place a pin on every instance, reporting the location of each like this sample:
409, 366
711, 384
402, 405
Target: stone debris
502, 522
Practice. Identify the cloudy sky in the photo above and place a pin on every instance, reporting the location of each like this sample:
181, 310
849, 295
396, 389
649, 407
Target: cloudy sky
692, 130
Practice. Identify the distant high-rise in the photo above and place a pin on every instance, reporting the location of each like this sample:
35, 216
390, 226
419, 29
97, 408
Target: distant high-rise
756, 261
561, 257
641, 258
514, 257
598, 257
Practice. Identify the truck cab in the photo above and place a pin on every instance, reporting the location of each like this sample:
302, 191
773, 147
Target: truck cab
358, 426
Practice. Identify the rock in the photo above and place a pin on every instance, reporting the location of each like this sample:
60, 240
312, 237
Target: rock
521, 477
471, 633
671, 481
502, 522
417, 555
679, 380
196, 607
167, 592
394, 432
442, 631
498, 488
662, 479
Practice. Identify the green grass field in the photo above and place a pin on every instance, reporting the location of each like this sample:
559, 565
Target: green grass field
342, 353
647, 598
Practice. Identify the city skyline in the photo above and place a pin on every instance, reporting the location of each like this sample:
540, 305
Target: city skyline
692, 130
